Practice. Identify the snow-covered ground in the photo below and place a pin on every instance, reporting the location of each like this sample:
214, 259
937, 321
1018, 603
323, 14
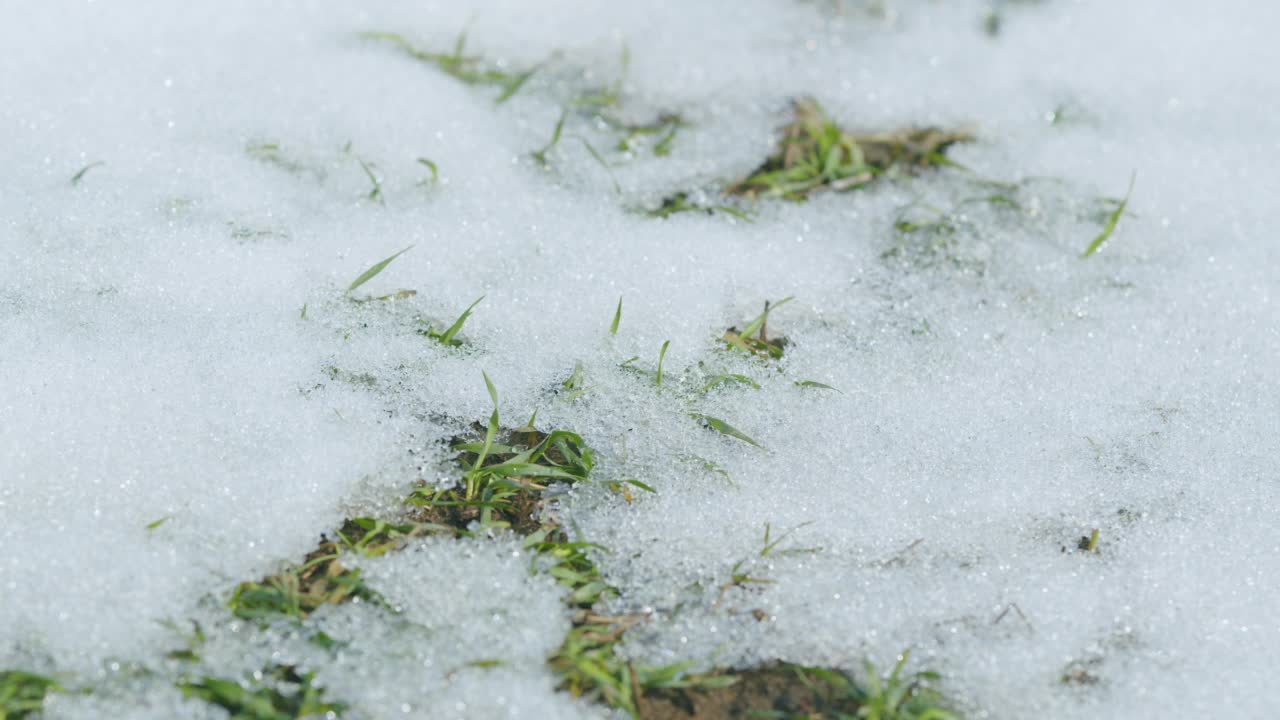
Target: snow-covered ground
1001, 396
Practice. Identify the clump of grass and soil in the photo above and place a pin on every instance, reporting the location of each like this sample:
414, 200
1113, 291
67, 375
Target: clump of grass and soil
23, 693
298, 590
754, 339
279, 692
795, 692
816, 155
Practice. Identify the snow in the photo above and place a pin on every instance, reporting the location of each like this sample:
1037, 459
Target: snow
997, 402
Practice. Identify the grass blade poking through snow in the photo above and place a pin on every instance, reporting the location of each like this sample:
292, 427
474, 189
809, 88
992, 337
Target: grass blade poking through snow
1110, 227
541, 154
617, 318
372, 272
662, 355
446, 338
816, 384
514, 84
435, 171
75, 179
724, 428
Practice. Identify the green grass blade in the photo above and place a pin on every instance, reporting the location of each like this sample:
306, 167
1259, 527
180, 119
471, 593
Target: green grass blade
754, 326
816, 384
662, 354
603, 163
617, 318
493, 392
724, 428
430, 165
372, 272
75, 179
447, 336
541, 155
1111, 221
517, 82
730, 378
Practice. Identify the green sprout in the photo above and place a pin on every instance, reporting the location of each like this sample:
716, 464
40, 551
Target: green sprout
75, 179
373, 271
723, 428
617, 318
754, 338
448, 337
1112, 220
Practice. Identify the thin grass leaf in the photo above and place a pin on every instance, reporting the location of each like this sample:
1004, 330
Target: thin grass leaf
617, 318
369, 274
600, 159
662, 354
724, 428
541, 155
517, 82
1111, 221
641, 485
756, 325
730, 378
75, 179
446, 338
157, 523
430, 165
493, 391
816, 384
376, 193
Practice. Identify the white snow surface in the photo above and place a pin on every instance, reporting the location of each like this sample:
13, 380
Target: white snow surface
1000, 396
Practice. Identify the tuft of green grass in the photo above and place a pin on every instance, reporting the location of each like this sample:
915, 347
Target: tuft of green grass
771, 543
22, 694
278, 692
372, 537
469, 69
297, 591
898, 697
1112, 220
724, 428
815, 154
754, 338
504, 475
373, 271
448, 337
75, 180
